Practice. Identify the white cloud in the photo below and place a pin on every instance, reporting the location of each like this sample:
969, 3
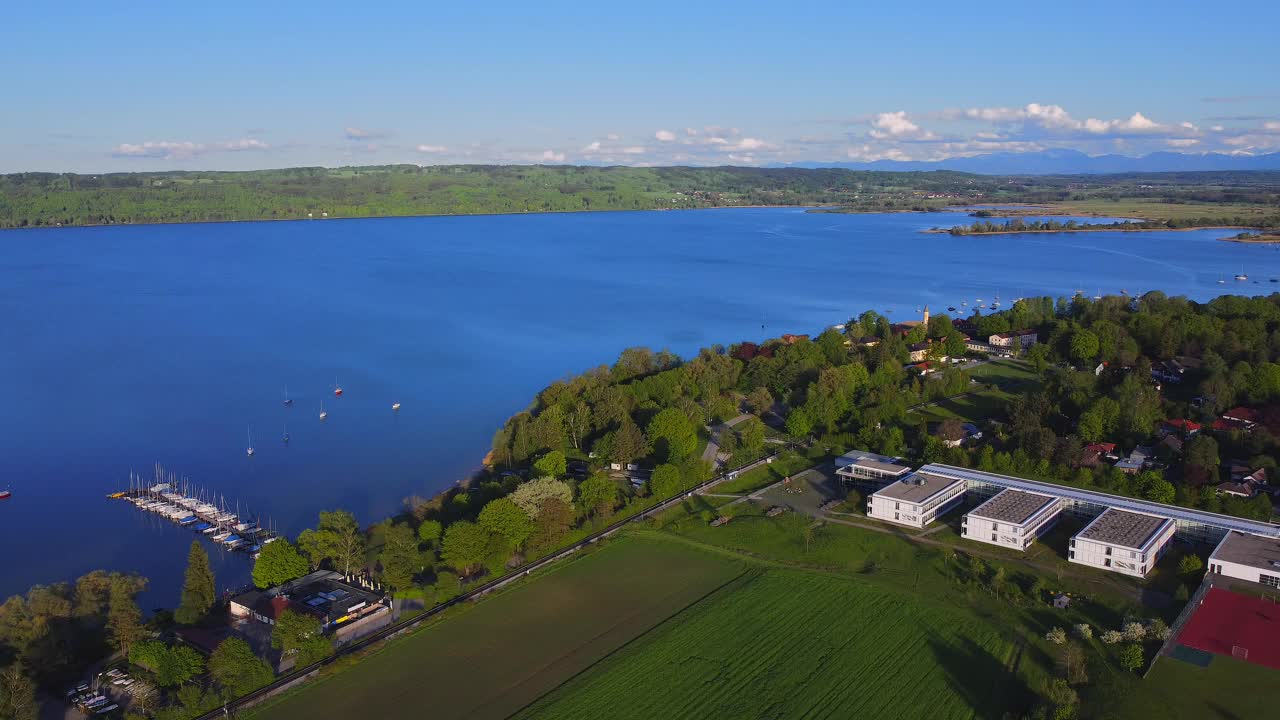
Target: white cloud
431, 149
665, 136
553, 156
355, 133
594, 147
894, 123
613, 137
181, 150
1182, 142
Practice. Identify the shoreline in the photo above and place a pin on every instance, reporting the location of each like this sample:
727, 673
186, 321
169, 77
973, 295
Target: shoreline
808, 208
1264, 239
938, 231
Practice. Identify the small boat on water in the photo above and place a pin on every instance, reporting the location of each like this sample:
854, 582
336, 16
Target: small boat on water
337, 389
395, 406
286, 434
951, 309
287, 401
250, 434
5, 494
323, 414
1242, 276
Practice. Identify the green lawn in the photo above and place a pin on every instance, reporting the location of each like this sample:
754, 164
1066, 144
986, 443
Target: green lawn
506, 651
789, 644
789, 462
1175, 690
1008, 375
976, 407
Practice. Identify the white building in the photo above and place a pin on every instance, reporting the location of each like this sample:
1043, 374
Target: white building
1020, 339
1122, 541
868, 468
1247, 557
916, 500
1012, 519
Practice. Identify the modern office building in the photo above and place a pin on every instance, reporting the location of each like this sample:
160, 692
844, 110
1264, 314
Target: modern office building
1012, 519
916, 500
859, 467
1190, 525
1122, 541
1247, 557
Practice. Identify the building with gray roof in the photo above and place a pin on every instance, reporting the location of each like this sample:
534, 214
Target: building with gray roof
1122, 541
1012, 519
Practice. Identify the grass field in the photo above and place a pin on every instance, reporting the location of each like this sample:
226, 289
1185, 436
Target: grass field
1228, 689
1154, 210
786, 644
789, 462
506, 651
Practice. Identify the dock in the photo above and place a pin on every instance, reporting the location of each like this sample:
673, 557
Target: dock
197, 509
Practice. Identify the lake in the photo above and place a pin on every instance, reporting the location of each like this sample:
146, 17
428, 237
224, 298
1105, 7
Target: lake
122, 347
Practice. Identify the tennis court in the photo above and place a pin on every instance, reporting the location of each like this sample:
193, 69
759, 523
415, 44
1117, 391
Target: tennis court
1237, 625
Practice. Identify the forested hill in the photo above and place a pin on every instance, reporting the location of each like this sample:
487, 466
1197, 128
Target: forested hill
46, 199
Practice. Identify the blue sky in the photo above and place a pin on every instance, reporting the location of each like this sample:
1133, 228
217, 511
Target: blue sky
91, 87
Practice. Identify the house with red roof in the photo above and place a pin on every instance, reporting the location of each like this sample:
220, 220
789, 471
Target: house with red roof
1180, 426
1238, 418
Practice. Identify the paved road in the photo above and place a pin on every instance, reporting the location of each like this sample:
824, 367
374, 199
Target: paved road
713, 444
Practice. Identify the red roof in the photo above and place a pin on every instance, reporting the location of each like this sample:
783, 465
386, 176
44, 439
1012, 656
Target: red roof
275, 608
1101, 448
1184, 425
1241, 413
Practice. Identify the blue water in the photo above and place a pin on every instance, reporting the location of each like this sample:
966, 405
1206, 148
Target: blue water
122, 347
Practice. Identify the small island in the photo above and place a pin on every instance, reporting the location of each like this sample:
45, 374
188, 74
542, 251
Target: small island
1018, 225
1254, 237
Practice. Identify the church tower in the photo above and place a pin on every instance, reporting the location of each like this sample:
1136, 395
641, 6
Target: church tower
926, 318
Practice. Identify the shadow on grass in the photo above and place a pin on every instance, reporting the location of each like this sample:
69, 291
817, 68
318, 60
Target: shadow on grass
981, 679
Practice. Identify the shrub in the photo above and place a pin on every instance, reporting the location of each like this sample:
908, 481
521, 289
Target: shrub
1157, 630
1111, 637
1084, 631
1057, 636
1189, 564
1133, 631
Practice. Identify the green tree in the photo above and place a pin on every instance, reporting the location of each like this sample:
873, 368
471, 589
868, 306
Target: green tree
1038, 356
171, 666
300, 634
751, 434
759, 401
1152, 486
124, 618
236, 669
598, 494
278, 563
199, 589
552, 465
665, 481
400, 558
1202, 451
673, 435
799, 424
531, 495
628, 442
553, 522
465, 546
503, 518
429, 532
446, 586
1131, 657
337, 539
1190, 564
1084, 346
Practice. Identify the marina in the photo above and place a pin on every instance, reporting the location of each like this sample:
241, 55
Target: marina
177, 500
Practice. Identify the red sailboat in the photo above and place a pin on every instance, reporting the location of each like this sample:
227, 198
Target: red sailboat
337, 389
4, 494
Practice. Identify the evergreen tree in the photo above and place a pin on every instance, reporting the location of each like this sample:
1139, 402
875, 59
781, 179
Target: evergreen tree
199, 589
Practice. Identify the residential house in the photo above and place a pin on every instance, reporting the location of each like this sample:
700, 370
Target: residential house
971, 434
1137, 461
1017, 339
1181, 427
1238, 418
1094, 454
919, 351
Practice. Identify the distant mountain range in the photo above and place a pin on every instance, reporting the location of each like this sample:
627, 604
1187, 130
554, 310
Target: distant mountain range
1067, 162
